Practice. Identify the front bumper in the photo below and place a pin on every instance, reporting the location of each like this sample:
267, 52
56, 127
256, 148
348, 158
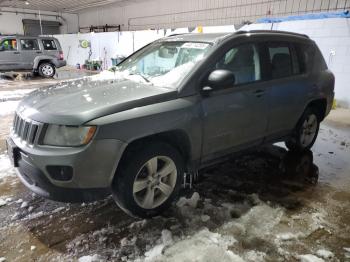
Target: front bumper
93, 168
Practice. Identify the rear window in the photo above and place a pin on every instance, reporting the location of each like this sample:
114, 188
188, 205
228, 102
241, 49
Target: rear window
49, 44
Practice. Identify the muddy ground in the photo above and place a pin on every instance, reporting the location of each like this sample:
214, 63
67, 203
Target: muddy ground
266, 205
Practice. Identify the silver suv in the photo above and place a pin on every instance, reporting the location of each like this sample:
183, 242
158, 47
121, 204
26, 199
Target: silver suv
177, 105
40, 54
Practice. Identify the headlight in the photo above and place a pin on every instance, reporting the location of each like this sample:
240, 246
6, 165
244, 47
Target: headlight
57, 135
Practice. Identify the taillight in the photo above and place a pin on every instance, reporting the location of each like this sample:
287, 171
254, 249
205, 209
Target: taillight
60, 55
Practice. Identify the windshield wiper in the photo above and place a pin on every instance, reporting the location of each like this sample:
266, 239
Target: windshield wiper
145, 78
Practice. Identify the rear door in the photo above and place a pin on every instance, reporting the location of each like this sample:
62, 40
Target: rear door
289, 85
10, 58
29, 50
236, 116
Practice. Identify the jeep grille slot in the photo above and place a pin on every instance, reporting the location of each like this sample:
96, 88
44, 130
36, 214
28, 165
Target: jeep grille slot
26, 130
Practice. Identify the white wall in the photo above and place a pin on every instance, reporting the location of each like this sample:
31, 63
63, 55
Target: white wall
333, 38
155, 14
104, 46
11, 23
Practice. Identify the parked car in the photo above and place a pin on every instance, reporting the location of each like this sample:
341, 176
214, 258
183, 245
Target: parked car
177, 105
40, 54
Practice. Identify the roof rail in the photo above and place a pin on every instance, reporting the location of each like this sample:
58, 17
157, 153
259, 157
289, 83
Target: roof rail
270, 32
177, 34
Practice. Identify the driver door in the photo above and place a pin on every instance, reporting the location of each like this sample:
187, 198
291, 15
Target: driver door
10, 58
237, 116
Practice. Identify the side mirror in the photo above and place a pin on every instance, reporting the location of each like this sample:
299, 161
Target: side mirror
219, 79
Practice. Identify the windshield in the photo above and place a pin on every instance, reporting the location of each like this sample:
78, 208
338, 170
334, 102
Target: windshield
164, 63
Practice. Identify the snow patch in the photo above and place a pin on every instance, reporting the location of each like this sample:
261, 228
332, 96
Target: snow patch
288, 236
205, 218
14, 94
24, 204
138, 224
255, 256
93, 258
326, 254
155, 253
309, 258
5, 201
6, 168
192, 202
167, 237
57, 210
19, 201
8, 107
202, 246
36, 215
347, 252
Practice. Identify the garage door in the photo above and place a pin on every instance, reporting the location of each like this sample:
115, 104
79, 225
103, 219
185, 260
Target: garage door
32, 27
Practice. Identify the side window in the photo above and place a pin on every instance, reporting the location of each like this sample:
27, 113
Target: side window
310, 57
49, 44
29, 44
243, 61
280, 60
9, 45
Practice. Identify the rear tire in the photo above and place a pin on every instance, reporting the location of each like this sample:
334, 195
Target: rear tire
306, 131
46, 70
148, 179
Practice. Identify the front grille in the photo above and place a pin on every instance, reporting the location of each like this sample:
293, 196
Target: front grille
26, 130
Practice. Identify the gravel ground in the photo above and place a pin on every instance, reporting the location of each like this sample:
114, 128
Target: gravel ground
266, 205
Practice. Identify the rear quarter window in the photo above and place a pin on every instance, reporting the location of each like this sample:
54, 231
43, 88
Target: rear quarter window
310, 58
49, 44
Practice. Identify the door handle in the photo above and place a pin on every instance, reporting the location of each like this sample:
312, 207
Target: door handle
16, 53
39, 52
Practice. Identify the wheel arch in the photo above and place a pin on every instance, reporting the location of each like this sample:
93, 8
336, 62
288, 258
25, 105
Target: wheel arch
320, 105
175, 138
39, 60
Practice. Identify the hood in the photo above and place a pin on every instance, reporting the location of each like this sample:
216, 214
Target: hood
79, 101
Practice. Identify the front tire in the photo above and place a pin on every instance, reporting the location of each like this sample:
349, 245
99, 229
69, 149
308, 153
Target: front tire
148, 179
46, 70
306, 131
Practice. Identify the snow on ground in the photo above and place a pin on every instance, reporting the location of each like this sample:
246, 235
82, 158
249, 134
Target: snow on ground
6, 168
202, 246
8, 107
14, 94
9, 100
186, 236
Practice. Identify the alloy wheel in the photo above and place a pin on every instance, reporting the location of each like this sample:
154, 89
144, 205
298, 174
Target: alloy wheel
47, 70
155, 182
308, 130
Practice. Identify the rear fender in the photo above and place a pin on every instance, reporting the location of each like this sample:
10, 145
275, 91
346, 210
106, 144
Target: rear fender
45, 58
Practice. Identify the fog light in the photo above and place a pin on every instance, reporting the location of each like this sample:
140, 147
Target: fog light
61, 173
